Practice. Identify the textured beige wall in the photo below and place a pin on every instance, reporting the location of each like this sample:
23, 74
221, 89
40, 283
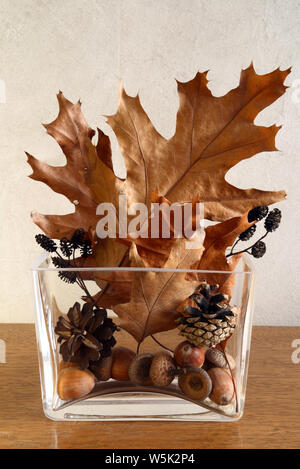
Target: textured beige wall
83, 47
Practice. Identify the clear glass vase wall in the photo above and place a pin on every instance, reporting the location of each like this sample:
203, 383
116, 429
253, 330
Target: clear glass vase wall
122, 400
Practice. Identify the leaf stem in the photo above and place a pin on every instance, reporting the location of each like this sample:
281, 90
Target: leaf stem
163, 346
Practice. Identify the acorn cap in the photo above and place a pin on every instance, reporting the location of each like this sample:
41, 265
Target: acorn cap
216, 357
163, 368
139, 369
195, 383
102, 370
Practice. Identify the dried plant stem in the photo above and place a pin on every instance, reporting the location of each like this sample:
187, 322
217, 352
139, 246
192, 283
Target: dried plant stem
244, 250
161, 345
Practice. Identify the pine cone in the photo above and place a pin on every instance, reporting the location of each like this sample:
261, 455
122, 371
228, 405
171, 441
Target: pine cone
66, 247
86, 335
247, 234
207, 319
258, 213
78, 238
273, 220
259, 249
66, 276
86, 249
46, 243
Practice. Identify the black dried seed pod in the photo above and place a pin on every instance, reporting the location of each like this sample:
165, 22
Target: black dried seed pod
247, 234
86, 249
273, 220
59, 262
259, 249
68, 277
46, 243
77, 238
66, 247
258, 213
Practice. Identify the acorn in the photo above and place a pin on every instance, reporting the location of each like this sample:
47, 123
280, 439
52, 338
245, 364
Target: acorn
195, 383
222, 386
216, 358
62, 365
121, 360
102, 371
162, 369
140, 368
74, 383
187, 354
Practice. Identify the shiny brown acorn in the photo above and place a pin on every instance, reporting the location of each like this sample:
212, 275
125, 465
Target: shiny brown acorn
103, 370
187, 354
121, 361
74, 383
222, 386
63, 365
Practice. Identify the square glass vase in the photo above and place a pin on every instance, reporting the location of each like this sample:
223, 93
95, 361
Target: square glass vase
121, 399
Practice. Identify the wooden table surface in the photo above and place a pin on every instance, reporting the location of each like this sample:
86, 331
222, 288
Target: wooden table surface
271, 419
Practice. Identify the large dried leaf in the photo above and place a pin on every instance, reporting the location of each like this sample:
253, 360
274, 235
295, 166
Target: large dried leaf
116, 289
217, 239
212, 135
155, 251
86, 180
155, 295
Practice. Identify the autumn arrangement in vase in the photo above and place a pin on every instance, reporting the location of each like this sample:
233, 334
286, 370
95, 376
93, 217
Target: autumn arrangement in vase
212, 135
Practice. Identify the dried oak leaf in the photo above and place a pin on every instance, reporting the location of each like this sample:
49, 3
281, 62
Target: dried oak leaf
212, 135
117, 289
155, 295
86, 180
155, 251
217, 238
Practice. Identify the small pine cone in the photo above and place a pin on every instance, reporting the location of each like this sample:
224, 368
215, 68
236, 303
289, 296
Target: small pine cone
273, 220
86, 249
68, 277
258, 213
46, 243
78, 238
247, 234
66, 247
259, 249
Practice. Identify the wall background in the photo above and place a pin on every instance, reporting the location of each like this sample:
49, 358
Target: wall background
83, 47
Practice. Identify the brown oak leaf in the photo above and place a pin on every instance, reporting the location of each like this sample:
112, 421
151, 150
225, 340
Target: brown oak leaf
155, 251
212, 135
155, 295
217, 239
86, 180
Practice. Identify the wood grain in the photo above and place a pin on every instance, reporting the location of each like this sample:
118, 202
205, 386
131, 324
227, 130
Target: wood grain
271, 418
